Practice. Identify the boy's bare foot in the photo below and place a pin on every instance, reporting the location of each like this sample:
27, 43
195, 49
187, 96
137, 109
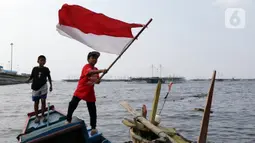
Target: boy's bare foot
93, 132
37, 120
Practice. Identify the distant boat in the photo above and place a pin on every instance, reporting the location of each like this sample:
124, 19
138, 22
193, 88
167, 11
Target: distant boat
200, 80
56, 131
156, 79
71, 80
8, 77
104, 80
219, 79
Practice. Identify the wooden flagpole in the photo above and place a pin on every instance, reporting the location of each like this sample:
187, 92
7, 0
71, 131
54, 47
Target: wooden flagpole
126, 47
205, 122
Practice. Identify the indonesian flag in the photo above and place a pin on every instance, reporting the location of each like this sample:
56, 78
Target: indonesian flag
95, 30
170, 86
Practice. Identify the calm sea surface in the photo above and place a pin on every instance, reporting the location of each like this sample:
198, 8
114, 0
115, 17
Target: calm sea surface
233, 119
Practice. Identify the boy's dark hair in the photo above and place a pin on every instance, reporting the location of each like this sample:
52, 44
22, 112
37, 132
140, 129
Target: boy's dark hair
93, 54
41, 57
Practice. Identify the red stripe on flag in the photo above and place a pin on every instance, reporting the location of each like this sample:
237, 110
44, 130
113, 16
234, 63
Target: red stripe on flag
88, 21
170, 86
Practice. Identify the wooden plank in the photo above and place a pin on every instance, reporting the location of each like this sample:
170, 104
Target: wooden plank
155, 102
205, 121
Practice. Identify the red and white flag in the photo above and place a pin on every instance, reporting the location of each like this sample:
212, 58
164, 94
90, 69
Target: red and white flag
95, 30
170, 86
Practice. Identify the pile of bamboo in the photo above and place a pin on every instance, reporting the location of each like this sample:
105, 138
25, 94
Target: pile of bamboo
143, 130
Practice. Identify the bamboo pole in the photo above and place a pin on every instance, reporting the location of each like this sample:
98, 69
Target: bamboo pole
131, 124
155, 102
147, 123
205, 121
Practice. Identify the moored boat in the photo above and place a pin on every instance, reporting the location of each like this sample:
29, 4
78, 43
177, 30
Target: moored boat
55, 130
143, 130
143, 135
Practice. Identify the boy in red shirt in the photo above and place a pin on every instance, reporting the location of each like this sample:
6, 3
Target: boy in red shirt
85, 90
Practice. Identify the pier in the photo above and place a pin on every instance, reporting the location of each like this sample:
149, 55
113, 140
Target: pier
156, 79
140, 79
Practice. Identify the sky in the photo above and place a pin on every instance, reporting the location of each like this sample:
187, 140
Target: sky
188, 38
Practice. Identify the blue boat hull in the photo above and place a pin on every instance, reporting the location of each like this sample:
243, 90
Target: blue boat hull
56, 131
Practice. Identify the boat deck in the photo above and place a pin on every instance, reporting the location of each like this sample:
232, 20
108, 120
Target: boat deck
56, 130
53, 118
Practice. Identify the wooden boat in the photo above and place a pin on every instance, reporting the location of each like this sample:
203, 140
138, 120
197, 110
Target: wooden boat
56, 131
141, 134
143, 130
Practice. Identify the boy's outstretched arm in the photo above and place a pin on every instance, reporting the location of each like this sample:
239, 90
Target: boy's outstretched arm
98, 80
91, 72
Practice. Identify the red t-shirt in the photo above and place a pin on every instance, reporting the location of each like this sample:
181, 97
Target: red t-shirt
85, 87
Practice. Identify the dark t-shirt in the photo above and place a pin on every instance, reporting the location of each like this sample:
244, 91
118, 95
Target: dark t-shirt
39, 76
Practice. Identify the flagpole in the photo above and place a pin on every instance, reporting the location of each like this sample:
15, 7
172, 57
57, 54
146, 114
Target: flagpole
206, 118
127, 46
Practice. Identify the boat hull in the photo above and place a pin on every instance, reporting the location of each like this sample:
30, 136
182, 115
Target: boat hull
137, 138
132, 138
149, 136
57, 131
